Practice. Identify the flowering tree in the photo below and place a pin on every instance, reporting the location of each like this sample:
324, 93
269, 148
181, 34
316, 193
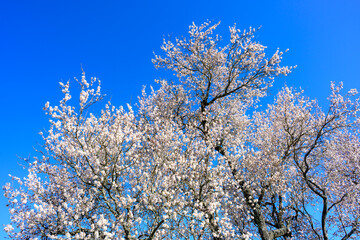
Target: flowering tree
196, 159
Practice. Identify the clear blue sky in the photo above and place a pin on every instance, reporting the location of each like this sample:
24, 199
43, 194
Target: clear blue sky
44, 42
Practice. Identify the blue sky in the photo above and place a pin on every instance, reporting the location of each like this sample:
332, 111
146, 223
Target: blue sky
44, 42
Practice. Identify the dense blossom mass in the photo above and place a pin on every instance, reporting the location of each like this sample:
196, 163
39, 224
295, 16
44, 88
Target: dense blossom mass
196, 159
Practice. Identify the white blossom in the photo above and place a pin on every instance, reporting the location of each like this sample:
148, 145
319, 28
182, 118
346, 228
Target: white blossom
196, 158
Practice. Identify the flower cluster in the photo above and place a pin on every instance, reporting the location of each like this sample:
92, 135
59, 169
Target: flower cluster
197, 159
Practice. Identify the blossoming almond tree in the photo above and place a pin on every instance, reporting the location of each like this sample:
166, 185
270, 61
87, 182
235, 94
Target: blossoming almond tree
196, 159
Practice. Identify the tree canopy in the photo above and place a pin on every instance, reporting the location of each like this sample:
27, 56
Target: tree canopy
196, 158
